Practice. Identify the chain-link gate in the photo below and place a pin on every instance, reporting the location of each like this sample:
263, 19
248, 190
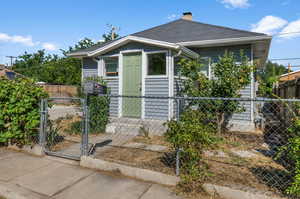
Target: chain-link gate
64, 127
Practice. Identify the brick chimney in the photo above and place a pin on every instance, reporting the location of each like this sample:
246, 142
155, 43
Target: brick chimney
187, 16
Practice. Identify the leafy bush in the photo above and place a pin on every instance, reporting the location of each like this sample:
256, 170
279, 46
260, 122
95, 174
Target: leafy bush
292, 152
19, 115
230, 74
192, 134
99, 112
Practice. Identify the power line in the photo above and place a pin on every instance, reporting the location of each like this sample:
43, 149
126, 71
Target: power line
284, 59
286, 33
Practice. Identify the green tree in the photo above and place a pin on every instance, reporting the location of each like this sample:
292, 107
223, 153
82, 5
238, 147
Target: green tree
112, 33
230, 76
268, 77
82, 44
55, 69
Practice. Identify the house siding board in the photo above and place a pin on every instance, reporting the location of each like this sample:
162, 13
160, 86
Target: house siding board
113, 86
89, 67
156, 108
214, 53
178, 86
135, 46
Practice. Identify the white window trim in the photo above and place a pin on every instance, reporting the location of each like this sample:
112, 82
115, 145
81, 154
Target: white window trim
170, 68
147, 66
104, 66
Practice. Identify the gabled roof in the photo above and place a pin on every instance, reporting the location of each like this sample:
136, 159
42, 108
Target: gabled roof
183, 30
177, 34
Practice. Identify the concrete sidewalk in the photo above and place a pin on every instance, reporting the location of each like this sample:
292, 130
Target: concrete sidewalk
26, 177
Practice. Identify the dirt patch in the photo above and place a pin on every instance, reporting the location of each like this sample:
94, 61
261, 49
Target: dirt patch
152, 140
259, 172
62, 145
242, 140
137, 158
64, 124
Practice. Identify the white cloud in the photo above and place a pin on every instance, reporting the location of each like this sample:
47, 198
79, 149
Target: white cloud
293, 28
173, 16
25, 40
236, 3
269, 25
49, 46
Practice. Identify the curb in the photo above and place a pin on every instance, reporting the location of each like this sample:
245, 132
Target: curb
142, 174
234, 193
36, 150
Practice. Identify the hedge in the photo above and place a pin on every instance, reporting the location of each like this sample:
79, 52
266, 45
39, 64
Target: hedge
19, 115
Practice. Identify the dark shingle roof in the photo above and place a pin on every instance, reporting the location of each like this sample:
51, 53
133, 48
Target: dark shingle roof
185, 30
94, 47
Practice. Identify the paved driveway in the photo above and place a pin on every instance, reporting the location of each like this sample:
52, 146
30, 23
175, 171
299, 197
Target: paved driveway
24, 176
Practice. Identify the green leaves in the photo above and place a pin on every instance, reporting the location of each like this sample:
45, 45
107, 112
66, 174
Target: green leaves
19, 115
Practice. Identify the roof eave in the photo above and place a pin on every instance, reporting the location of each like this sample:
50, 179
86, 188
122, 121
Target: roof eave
130, 38
207, 43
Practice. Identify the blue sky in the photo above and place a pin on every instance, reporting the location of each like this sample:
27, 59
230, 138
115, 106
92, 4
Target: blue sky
34, 24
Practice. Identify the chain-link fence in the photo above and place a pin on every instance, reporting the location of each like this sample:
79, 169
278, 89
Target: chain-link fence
252, 136
63, 127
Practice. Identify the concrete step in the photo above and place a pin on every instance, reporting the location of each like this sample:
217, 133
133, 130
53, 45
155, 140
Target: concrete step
123, 128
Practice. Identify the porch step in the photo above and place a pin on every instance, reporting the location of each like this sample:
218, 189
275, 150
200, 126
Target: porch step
123, 128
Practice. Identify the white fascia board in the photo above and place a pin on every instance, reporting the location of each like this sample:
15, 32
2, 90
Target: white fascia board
189, 52
224, 41
132, 38
77, 55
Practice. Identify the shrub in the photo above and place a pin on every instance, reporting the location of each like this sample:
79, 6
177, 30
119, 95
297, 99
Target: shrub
19, 115
99, 112
192, 134
292, 152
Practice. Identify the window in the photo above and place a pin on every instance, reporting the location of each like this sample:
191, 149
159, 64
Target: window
205, 69
111, 66
157, 64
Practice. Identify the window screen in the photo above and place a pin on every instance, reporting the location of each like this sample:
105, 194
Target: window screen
157, 64
111, 66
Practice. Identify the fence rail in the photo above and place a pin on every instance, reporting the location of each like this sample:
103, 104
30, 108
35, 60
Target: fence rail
253, 134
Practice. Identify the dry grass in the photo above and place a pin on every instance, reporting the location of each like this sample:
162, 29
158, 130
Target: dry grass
152, 140
138, 158
1, 197
62, 145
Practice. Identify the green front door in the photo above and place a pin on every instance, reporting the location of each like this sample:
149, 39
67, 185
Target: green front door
132, 84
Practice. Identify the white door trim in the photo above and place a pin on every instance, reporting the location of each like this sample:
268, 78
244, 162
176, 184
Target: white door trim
121, 57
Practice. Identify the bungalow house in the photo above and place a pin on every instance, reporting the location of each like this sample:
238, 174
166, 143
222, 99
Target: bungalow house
144, 64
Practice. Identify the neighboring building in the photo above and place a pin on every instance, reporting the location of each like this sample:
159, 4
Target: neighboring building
144, 64
4, 72
289, 76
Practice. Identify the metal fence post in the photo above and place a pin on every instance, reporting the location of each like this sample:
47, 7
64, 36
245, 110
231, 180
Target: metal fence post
85, 130
42, 118
178, 161
43, 123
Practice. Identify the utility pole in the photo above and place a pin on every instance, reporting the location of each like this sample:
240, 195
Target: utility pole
11, 59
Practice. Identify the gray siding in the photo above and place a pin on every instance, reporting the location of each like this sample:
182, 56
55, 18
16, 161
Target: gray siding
157, 108
178, 86
214, 53
113, 86
135, 46
89, 67
244, 116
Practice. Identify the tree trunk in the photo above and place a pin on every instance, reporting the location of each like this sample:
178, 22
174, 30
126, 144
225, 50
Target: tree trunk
220, 122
